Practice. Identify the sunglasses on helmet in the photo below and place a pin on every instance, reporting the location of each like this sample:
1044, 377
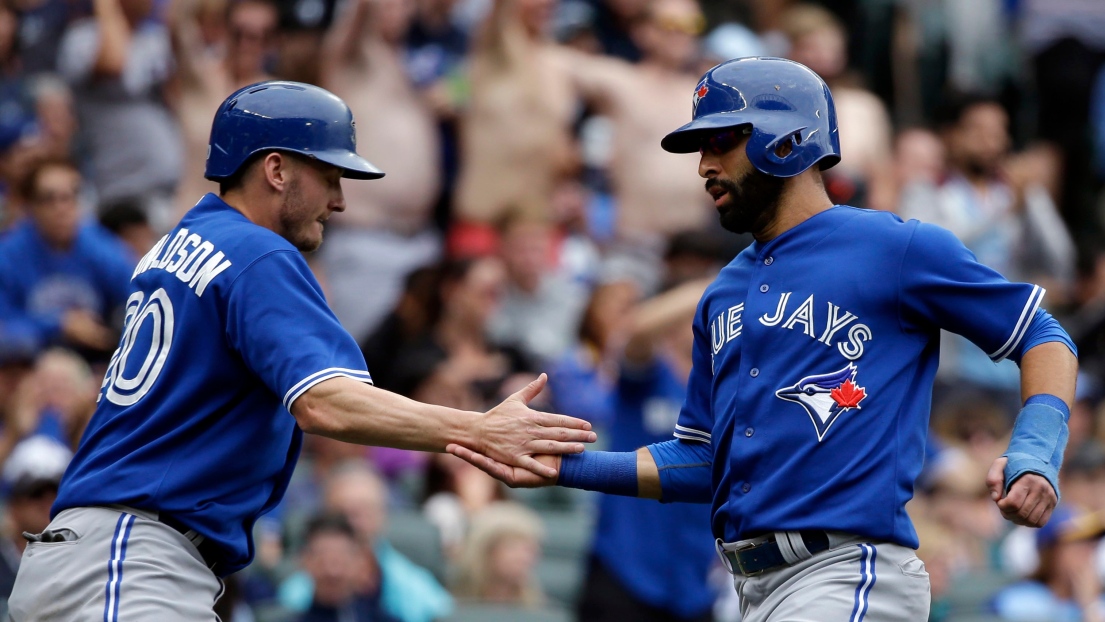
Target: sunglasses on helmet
724, 141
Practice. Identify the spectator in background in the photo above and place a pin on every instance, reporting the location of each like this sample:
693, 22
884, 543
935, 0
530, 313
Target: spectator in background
1009, 222
118, 63
208, 71
57, 400
436, 50
61, 278
500, 556
386, 230
657, 193
404, 590
457, 344
1064, 45
129, 223
919, 161
413, 317
1065, 586
665, 580
31, 475
582, 380
515, 134
56, 117
540, 309
613, 25
819, 41
334, 563
41, 26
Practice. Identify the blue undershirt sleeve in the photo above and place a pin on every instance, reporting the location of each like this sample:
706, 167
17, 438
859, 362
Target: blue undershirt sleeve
685, 473
1043, 329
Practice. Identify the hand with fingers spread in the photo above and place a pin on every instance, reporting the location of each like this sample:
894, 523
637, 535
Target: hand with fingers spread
511, 435
1030, 500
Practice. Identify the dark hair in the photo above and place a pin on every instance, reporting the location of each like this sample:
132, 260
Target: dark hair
234, 182
954, 105
30, 182
121, 214
328, 523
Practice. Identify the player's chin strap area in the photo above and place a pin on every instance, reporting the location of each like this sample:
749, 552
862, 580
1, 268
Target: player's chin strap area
1038, 441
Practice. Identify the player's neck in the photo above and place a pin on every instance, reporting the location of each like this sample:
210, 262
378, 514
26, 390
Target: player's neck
255, 210
803, 197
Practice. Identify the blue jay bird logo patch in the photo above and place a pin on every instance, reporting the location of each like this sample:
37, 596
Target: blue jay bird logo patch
825, 396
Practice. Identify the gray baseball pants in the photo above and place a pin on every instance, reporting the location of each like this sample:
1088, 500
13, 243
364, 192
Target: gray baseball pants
853, 581
112, 564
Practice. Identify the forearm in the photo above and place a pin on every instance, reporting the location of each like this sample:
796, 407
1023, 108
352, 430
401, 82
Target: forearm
114, 38
1049, 368
354, 412
672, 471
655, 317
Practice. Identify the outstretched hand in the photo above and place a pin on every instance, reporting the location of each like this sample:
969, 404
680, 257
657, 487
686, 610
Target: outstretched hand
510, 435
1031, 498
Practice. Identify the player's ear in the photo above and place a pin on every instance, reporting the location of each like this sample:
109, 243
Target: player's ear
276, 168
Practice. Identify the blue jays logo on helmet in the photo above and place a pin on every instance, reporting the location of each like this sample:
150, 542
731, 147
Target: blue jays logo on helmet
826, 396
781, 100
699, 92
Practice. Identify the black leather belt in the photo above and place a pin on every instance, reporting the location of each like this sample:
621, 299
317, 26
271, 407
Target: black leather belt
208, 550
759, 558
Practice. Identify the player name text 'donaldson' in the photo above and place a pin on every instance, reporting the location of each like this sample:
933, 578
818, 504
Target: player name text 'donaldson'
187, 256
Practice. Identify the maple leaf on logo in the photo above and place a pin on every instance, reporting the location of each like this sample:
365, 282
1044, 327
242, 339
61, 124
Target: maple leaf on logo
848, 395
702, 90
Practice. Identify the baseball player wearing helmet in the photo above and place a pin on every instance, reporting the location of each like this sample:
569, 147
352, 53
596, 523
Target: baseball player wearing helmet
814, 355
227, 332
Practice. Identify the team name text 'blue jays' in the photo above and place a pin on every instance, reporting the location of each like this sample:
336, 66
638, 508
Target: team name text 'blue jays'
728, 325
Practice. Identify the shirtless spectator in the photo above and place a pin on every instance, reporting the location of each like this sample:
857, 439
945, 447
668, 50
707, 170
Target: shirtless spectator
515, 133
208, 71
385, 232
118, 62
819, 41
657, 193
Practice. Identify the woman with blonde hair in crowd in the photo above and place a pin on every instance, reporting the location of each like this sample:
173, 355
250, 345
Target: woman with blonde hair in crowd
498, 561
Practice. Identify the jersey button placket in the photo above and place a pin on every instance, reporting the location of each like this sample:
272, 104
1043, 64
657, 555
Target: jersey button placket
754, 372
745, 487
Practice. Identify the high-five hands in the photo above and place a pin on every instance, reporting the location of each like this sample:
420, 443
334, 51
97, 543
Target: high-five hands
511, 437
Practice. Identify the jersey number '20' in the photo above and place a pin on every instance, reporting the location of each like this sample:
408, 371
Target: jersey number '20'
153, 322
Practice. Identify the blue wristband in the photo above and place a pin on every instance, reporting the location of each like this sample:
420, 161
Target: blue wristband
1038, 441
611, 472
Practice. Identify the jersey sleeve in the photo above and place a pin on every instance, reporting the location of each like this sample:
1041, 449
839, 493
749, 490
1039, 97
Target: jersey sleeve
279, 322
942, 285
696, 421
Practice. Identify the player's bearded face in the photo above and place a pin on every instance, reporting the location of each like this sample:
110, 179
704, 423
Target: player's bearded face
750, 203
299, 218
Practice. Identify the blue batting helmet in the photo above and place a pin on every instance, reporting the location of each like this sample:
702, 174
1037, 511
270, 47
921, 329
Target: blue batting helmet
284, 116
780, 99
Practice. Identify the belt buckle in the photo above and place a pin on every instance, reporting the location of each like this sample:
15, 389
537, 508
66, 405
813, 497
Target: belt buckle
740, 566
732, 561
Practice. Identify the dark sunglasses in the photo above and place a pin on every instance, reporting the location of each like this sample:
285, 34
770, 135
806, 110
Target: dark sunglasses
724, 141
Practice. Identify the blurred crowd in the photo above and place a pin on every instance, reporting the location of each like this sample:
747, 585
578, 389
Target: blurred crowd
530, 222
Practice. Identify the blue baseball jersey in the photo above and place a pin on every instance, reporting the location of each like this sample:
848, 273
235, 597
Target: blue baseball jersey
225, 328
661, 553
813, 368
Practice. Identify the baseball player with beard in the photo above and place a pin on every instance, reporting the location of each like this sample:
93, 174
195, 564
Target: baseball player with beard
814, 355
229, 354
